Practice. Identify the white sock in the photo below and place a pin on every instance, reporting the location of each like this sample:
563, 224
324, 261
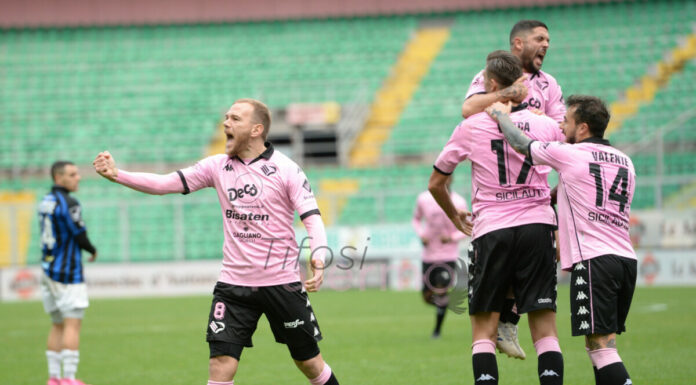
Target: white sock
70, 360
53, 363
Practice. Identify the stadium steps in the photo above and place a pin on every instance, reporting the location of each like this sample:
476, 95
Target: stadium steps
335, 193
644, 92
15, 208
397, 92
682, 199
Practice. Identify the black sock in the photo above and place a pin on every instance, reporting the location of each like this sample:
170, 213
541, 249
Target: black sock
332, 380
507, 315
485, 368
596, 374
550, 368
613, 374
440, 316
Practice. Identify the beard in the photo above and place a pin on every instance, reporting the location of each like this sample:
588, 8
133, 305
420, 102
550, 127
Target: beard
528, 58
238, 145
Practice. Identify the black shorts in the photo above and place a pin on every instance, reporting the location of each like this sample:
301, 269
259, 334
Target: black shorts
438, 277
522, 258
236, 310
601, 291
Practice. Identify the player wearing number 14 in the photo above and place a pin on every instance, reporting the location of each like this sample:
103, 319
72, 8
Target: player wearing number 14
595, 188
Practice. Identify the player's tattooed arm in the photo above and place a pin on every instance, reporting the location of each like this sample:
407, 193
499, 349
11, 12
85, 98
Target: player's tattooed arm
517, 92
501, 113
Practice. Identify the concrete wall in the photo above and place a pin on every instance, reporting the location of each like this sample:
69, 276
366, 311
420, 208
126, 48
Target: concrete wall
43, 13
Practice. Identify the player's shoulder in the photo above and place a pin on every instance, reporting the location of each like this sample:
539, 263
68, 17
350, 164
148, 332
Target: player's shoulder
548, 77
476, 119
285, 164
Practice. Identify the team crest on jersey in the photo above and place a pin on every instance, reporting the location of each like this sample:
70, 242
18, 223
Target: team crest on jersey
307, 186
542, 84
268, 170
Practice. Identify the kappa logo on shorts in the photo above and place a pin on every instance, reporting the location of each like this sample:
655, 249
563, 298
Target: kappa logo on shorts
583, 310
581, 295
293, 324
584, 325
579, 266
580, 281
217, 326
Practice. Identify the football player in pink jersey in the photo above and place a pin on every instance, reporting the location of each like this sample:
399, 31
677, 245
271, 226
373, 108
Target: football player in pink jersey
513, 225
529, 41
595, 190
440, 250
259, 190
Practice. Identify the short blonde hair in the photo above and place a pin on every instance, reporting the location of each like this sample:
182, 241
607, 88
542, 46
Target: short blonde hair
261, 114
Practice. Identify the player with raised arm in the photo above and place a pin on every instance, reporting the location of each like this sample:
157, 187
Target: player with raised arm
513, 226
595, 190
529, 41
259, 190
440, 241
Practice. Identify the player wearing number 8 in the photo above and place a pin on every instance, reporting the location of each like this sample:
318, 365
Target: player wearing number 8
513, 225
63, 237
595, 189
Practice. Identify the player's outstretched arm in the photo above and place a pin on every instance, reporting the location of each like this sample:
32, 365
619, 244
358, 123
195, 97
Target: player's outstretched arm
438, 188
105, 165
518, 140
318, 246
517, 92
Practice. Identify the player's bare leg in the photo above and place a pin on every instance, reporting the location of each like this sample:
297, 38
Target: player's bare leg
484, 333
608, 366
221, 370
542, 326
317, 371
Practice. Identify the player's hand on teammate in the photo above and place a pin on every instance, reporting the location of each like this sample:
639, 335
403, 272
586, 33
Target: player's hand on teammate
445, 239
463, 222
93, 257
516, 92
498, 109
424, 241
105, 165
314, 283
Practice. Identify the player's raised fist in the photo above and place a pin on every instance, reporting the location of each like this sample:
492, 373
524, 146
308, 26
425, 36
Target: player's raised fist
105, 165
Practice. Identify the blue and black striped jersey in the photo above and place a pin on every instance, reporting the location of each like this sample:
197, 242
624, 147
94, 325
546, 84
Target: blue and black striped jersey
63, 236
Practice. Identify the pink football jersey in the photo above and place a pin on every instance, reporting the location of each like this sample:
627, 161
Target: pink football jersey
258, 200
596, 183
544, 93
431, 223
506, 190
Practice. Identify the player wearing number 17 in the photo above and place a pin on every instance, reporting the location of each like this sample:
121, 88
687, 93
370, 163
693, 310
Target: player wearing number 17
595, 189
513, 224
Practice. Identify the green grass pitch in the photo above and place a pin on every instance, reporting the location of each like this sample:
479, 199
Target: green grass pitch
370, 337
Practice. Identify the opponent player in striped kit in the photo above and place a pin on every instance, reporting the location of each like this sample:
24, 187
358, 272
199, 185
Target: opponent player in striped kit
529, 41
440, 250
595, 190
513, 226
63, 288
259, 190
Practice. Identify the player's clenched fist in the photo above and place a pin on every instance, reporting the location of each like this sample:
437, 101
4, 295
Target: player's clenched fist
105, 165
